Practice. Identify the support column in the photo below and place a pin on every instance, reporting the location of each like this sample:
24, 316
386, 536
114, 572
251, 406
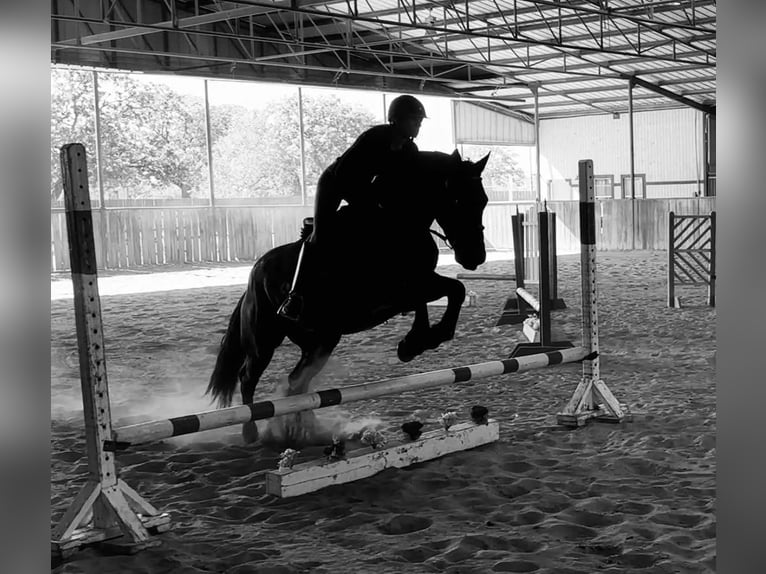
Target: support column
218, 256
103, 228
302, 146
537, 142
632, 167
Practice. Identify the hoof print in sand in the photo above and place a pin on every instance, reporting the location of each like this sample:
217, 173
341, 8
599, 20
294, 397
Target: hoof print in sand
413, 429
515, 566
405, 523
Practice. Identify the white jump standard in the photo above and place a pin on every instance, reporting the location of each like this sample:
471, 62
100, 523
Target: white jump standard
116, 508
107, 508
592, 399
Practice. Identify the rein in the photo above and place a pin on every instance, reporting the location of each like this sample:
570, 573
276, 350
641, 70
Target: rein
443, 238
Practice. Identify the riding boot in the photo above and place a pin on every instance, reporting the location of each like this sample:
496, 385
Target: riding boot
292, 307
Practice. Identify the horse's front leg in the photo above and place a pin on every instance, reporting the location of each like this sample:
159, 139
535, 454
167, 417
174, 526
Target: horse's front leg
422, 337
444, 330
414, 341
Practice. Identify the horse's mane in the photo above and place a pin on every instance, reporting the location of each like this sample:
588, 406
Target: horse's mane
435, 158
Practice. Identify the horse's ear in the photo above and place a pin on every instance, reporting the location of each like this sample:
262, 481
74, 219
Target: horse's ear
482, 163
456, 155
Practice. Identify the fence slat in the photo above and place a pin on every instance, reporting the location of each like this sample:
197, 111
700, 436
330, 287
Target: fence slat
167, 234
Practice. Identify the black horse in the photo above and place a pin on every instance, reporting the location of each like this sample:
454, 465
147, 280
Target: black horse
380, 267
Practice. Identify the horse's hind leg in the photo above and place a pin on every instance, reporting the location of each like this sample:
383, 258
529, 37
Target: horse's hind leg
313, 359
261, 337
254, 366
301, 428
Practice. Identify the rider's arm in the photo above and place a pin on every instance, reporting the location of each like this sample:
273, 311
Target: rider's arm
326, 202
358, 166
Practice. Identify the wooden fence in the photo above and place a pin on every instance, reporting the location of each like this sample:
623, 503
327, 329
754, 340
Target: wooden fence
624, 225
129, 238
136, 237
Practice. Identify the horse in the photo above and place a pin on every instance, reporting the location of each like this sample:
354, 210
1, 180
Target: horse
352, 294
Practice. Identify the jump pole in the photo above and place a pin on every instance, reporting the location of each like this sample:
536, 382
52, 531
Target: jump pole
592, 400
163, 429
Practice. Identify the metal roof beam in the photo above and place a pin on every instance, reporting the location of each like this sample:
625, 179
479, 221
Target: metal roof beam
434, 80
611, 14
186, 22
526, 25
589, 101
519, 42
444, 35
670, 95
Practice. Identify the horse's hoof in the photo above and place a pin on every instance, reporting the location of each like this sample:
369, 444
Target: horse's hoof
406, 351
249, 432
438, 335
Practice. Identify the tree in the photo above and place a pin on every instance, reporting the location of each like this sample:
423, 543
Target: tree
503, 171
152, 139
72, 119
260, 155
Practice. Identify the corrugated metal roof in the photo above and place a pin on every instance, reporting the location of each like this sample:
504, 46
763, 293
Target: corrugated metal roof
441, 47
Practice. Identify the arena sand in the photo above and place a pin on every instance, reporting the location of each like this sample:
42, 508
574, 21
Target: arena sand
637, 497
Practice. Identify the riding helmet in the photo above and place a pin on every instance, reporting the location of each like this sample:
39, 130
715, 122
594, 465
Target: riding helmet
403, 107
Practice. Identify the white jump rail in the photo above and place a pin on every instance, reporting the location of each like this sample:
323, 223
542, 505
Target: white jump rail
172, 427
529, 298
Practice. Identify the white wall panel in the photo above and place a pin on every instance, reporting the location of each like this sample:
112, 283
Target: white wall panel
476, 125
668, 149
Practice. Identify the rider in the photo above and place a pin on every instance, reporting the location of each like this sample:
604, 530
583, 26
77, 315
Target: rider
379, 152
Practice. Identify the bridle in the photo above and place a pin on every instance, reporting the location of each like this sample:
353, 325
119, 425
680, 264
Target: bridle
442, 236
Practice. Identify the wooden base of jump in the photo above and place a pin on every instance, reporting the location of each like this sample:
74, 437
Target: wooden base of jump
365, 462
593, 401
120, 510
599, 415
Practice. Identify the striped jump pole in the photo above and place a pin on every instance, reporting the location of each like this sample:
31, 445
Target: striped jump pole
529, 298
592, 399
168, 428
116, 508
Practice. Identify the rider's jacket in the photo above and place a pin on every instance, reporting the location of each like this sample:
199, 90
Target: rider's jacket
370, 166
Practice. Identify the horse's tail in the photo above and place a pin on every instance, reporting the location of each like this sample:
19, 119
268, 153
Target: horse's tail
231, 355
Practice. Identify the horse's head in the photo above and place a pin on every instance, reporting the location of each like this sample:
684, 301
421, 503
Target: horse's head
461, 214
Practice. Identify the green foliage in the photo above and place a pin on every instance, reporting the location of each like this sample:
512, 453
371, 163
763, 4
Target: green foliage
153, 141
260, 154
503, 172
72, 119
